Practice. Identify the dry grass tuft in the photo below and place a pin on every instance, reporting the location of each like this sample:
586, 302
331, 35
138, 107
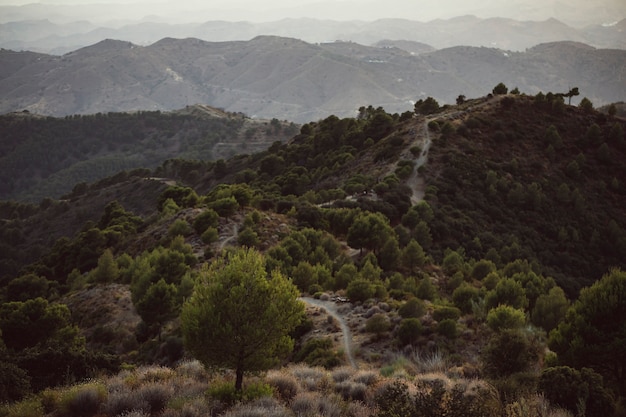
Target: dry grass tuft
534, 406
286, 385
260, 408
342, 374
366, 377
316, 404
352, 391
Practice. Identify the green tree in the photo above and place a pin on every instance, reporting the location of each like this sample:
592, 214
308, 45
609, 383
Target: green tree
593, 333
413, 256
505, 317
428, 106
107, 270
409, 331
465, 296
586, 105
360, 290
580, 392
239, 317
550, 309
508, 352
507, 291
500, 89
158, 304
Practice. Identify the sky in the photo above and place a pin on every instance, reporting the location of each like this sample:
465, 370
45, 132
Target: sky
183, 11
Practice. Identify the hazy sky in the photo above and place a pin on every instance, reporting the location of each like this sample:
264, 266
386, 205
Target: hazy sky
571, 11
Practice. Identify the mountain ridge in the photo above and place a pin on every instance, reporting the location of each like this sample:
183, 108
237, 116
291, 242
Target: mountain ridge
289, 79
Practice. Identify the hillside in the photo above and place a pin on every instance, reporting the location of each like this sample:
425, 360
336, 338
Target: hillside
45, 157
283, 78
453, 242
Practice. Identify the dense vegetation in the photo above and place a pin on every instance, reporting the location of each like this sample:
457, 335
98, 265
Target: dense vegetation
484, 273
46, 156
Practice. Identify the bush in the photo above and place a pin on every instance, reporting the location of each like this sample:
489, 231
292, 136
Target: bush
464, 296
208, 218
446, 312
413, 308
352, 391
285, 385
570, 388
82, 400
393, 400
318, 352
505, 317
447, 328
507, 353
377, 324
179, 227
225, 392
360, 290
409, 331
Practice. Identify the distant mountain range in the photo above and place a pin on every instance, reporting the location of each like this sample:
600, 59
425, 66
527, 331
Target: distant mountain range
42, 35
276, 77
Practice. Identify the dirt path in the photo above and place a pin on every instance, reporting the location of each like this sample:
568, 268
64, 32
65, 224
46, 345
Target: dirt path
233, 236
416, 181
331, 308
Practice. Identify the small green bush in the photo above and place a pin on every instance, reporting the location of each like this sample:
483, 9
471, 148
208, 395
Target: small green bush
446, 312
413, 308
505, 317
447, 328
409, 331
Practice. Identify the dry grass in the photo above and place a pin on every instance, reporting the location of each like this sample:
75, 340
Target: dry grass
298, 390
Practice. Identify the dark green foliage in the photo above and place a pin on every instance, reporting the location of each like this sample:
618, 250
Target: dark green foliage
427, 106
377, 324
208, 218
464, 296
570, 388
447, 328
360, 290
412, 308
500, 89
534, 207
594, 330
48, 156
27, 287
409, 331
393, 400
508, 352
318, 352
446, 312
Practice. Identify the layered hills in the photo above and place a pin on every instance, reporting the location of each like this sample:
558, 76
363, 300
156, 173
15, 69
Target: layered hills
38, 33
284, 78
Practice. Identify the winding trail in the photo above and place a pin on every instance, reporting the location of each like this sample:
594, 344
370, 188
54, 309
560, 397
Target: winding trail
416, 182
331, 308
232, 237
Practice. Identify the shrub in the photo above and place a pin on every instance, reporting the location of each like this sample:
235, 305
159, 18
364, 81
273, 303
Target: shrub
360, 290
314, 404
447, 328
409, 331
179, 227
285, 385
570, 388
505, 317
413, 308
210, 235
318, 352
208, 218
393, 399
121, 402
463, 297
377, 324
156, 395
353, 391
30, 407
260, 408
82, 400
508, 352
446, 312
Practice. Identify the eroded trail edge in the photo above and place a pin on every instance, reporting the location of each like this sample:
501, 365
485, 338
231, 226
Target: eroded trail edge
331, 309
